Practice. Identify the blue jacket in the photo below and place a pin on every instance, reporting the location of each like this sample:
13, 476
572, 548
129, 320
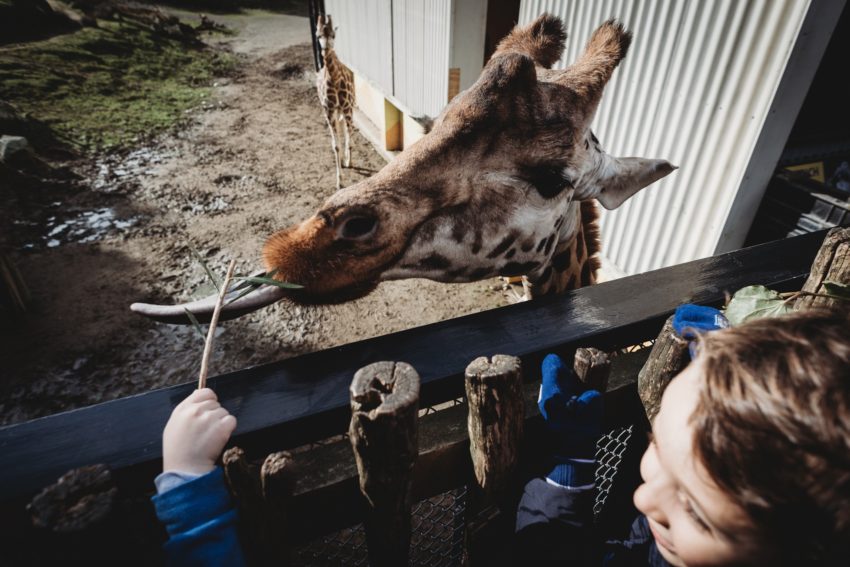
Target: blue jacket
638, 550
201, 523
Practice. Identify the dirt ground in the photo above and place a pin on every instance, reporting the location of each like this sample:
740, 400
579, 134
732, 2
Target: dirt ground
255, 159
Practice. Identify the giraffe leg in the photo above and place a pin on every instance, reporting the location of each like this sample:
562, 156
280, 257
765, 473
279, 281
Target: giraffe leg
348, 126
330, 120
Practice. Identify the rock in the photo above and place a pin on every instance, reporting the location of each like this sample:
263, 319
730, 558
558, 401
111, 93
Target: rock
8, 112
10, 145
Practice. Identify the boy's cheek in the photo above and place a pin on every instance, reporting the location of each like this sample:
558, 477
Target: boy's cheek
649, 466
644, 498
639, 499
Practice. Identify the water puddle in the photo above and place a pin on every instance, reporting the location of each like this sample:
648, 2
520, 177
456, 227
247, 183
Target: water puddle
88, 226
114, 172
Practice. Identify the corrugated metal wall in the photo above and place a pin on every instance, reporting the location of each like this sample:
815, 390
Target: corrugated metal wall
421, 38
402, 46
364, 39
695, 88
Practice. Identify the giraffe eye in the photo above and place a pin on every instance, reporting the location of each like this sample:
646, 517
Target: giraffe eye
358, 227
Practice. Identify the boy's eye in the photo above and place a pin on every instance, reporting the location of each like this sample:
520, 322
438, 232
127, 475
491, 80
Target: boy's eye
695, 517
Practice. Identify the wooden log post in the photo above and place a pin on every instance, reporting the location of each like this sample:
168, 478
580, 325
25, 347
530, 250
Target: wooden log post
79, 520
243, 480
668, 357
384, 436
495, 425
496, 417
593, 368
262, 496
277, 481
79, 500
832, 264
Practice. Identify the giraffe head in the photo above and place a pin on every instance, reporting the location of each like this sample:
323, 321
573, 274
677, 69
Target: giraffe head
491, 190
325, 32
495, 188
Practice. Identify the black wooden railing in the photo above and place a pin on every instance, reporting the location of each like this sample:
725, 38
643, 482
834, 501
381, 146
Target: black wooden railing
304, 399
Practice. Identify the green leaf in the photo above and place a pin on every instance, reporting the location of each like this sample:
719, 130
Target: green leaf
249, 288
837, 290
243, 285
210, 275
270, 281
195, 324
755, 302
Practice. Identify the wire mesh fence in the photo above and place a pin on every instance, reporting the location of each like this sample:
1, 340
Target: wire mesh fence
610, 450
438, 523
437, 531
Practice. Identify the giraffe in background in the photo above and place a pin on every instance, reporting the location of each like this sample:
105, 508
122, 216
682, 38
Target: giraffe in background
335, 84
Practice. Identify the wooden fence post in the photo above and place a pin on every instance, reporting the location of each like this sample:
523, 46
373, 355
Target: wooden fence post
495, 425
243, 480
593, 368
277, 481
80, 519
496, 417
832, 264
262, 498
668, 357
79, 500
384, 436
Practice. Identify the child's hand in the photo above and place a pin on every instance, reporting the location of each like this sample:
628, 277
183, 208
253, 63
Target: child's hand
575, 420
196, 433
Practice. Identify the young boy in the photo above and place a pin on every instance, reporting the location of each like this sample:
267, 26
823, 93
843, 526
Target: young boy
750, 458
192, 499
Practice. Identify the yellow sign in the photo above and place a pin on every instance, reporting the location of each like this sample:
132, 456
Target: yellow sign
814, 170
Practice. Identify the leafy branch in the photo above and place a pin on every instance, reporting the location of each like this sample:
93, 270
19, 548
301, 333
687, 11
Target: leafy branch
757, 301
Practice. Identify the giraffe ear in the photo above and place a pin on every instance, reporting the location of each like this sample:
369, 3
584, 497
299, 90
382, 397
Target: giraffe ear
330, 22
321, 22
623, 177
507, 74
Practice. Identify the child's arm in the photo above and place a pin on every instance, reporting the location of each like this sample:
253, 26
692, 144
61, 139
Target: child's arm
193, 501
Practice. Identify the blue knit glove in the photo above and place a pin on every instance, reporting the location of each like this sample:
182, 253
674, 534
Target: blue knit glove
691, 320
575, 418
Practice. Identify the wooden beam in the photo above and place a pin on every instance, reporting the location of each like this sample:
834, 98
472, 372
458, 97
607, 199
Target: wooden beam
302, 399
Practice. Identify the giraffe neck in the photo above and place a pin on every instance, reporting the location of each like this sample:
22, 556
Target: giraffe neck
574, 263
331, 61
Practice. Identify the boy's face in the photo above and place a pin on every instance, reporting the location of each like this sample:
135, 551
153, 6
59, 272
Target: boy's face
693, 522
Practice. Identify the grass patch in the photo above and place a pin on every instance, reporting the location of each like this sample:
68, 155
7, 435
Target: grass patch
102, 88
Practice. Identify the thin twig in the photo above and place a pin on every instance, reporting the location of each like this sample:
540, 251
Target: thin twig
205, 361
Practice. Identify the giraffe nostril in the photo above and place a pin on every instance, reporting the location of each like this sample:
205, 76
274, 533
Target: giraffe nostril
358, 227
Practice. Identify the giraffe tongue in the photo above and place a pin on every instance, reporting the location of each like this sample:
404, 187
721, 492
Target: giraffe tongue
203, 309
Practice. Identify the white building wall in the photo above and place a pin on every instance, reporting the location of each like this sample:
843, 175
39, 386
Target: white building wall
364, 38
697, 88
405, 48
421, 40
469, 29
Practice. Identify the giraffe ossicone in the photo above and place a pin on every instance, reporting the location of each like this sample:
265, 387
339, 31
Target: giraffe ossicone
504, 184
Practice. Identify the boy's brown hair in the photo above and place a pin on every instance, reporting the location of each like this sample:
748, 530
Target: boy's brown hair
772, 428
